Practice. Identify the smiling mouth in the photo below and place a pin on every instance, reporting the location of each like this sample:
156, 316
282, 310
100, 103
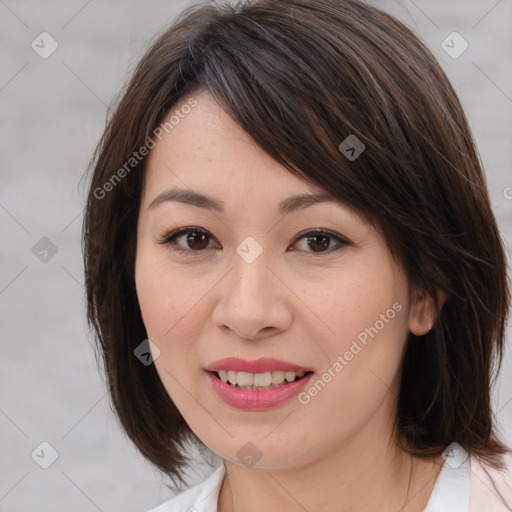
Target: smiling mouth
260, 381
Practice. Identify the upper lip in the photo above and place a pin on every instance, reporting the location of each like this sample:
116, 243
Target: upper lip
262, 365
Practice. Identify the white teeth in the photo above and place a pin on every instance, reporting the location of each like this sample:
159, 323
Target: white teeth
289, 376
244, 379
260, 380
232, 376
277, 377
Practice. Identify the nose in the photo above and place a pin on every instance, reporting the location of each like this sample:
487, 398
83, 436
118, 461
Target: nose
254, 302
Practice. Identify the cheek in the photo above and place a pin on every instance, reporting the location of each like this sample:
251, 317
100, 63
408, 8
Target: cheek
164, 294
172, 303
361, 300
367, 318
172, 324
157, 304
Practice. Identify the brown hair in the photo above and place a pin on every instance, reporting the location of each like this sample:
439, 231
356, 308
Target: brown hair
299, 76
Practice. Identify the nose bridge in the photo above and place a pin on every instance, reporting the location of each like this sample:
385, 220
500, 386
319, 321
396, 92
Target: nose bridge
251, 304
250, 273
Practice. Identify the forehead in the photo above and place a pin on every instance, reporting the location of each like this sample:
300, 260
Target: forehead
206, 150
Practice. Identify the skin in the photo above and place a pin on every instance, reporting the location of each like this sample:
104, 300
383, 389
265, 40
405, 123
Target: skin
294, 302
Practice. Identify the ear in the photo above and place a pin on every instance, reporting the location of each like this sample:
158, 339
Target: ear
423, 312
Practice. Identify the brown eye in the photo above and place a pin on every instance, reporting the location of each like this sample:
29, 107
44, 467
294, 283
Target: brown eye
196, 241
193, 240
320, 241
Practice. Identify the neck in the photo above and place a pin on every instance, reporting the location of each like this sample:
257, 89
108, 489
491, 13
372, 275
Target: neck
361, 475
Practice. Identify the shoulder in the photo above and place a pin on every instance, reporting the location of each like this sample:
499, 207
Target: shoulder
201, 497
490, 490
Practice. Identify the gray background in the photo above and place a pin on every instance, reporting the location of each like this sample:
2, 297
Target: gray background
52, 113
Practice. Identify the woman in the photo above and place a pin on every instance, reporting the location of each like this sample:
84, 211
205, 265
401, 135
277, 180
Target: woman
292, 262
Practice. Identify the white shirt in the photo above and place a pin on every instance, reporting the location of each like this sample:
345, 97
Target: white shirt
462, 486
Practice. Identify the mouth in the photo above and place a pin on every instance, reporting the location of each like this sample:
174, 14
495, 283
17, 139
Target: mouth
259, 381
260, 391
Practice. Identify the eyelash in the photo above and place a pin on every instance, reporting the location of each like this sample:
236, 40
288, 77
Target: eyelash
170, 238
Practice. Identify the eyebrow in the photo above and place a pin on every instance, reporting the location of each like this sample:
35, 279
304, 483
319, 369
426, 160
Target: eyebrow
190, 197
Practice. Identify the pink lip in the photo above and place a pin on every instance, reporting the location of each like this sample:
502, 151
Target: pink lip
262, 365
251, 399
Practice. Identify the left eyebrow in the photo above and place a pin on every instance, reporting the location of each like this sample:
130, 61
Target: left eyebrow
286, 206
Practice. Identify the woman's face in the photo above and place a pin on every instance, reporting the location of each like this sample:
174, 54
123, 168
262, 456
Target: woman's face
256, 282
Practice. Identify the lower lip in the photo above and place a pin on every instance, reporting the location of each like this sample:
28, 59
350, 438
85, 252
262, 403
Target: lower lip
252, 399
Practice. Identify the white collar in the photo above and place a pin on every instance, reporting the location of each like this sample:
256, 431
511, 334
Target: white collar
451, 490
